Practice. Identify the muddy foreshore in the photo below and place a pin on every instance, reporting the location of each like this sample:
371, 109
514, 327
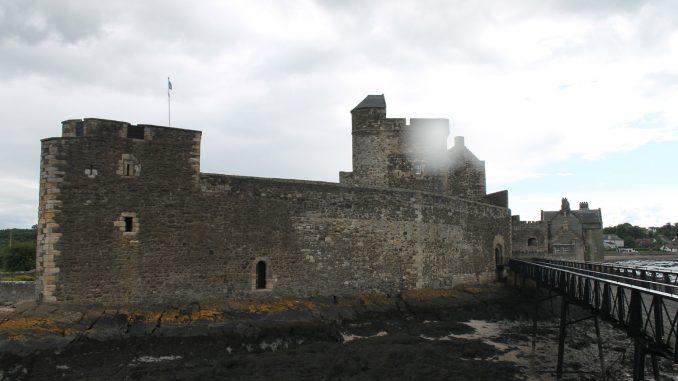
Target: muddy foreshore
467, 333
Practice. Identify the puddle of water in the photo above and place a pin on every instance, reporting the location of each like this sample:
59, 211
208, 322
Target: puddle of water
152, 359
348, 337
274, 345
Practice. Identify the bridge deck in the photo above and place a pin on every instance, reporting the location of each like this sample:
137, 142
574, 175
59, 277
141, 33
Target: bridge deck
642, 301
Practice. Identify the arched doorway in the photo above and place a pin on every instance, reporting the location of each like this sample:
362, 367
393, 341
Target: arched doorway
499, 262
499, 256
261, 275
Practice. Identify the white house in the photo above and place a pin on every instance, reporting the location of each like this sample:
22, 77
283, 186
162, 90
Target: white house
671, 247
612, 241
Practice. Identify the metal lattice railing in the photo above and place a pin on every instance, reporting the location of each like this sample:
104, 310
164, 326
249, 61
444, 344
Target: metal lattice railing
634, 272
644, 302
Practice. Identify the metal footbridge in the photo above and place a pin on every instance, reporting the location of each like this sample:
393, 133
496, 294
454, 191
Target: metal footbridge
639, 300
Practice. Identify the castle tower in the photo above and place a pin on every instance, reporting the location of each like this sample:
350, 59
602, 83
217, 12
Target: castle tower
373, 139
98, 182
388, 152
465, 173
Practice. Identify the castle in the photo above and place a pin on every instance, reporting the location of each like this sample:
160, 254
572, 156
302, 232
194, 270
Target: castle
126, 216
563, 234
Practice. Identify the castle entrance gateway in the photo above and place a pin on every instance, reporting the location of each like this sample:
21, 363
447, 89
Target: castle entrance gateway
499, 256
499, 260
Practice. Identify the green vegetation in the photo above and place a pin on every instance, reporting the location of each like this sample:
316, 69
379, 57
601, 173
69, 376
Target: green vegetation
669, 231
18, 235
20, 256
630, 233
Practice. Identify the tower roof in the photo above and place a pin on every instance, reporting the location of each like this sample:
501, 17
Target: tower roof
371, 101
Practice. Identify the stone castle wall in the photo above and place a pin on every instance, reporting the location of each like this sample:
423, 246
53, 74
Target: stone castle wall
127, 217
530, 238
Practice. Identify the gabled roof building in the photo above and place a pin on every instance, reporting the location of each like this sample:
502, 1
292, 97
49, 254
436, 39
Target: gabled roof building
564, 234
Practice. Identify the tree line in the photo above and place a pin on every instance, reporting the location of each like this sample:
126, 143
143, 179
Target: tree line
630, 233
17, 249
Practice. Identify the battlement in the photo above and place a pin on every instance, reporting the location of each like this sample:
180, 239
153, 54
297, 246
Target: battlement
95, 127
390, 153
370, 116
515, 220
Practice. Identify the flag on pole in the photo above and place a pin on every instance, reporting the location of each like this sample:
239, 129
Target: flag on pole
169, 117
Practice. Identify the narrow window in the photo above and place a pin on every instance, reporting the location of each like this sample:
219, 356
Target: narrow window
129, 224
531, 241
418, 168
128, 169
261, 275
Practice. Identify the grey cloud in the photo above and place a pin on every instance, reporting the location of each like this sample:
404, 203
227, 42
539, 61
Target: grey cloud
601, 7
663, 78
273, 105
32, 21
98, 44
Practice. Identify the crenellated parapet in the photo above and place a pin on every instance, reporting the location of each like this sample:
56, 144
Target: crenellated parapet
389, 153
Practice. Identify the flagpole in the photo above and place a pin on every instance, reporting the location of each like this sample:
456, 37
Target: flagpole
169, 108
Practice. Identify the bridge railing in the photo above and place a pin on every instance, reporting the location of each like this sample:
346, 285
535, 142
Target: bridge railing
656, 280
642, 307
635, 272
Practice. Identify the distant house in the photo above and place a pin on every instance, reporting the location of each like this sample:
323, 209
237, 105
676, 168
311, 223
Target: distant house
612, 241
644, 242
662, 238
671, 247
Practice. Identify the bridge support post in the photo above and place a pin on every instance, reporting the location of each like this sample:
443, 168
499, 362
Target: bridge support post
600, 347
655, 366
638, 360
534, 327
561, 337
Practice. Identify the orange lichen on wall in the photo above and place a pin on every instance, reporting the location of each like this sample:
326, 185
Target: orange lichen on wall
468, 289
375, 299
70, 331
147, 316
30, 324
207, 314
17, 338
429, 293
274, 306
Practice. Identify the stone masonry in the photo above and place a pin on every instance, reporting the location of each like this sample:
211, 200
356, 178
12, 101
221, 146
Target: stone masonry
126, 217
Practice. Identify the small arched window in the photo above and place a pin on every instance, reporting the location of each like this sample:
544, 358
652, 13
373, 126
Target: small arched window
261, 275
531, 241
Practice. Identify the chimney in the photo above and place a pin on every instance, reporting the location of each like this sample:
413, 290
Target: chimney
458, 141
584, 205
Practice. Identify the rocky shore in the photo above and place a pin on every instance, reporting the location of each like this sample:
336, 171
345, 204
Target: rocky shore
466, 333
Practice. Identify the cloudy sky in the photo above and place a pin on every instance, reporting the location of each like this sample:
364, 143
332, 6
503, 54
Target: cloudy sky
574, 99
